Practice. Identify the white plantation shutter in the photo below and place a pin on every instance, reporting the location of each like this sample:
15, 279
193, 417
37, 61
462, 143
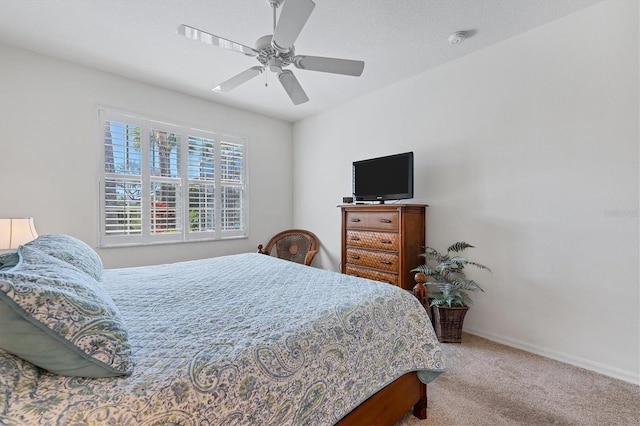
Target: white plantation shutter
123, 207
165, 182
122, 202
165, 208
232, 185
201, 175
162, 182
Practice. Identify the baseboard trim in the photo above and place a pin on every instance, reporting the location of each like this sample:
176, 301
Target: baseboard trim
607, 370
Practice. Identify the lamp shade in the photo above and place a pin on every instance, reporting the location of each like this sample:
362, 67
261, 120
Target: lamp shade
14, 232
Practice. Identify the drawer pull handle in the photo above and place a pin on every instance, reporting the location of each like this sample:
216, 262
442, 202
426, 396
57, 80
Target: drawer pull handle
355, 239
355, 219
386, 262
385, 241
386, 220
353, 256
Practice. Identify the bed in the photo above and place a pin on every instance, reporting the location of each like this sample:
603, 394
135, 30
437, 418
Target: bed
233, 340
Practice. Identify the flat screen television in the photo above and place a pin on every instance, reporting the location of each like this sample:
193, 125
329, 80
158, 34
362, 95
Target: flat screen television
383, 178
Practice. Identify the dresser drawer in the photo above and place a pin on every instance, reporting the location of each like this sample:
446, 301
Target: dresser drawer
373, 259
375, 240
384, 221
371, 274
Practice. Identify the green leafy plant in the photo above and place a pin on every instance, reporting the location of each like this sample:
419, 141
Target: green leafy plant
446, 271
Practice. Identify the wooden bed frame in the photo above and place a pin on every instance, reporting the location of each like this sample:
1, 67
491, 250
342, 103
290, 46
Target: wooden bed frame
391, 403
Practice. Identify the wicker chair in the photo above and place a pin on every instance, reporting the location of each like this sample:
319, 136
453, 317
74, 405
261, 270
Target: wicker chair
295, 245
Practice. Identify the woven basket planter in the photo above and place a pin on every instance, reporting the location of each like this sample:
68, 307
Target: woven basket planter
447, 323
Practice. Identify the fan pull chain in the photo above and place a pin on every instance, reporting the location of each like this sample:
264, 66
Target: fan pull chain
266, 79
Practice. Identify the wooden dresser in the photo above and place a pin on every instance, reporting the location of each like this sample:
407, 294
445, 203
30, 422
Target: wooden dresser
383, 241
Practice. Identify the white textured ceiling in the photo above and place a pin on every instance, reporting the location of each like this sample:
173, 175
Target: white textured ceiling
397, 39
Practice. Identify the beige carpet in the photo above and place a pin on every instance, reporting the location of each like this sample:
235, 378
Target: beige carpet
490, 384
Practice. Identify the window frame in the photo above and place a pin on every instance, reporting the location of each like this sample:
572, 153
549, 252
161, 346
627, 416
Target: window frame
185, 133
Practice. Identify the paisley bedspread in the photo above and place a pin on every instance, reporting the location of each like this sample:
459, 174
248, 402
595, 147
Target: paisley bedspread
236, 340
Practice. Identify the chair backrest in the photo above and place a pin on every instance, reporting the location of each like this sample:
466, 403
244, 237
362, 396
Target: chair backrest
295, 245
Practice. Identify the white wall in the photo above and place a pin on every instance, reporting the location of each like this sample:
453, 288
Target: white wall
528, 150
49, 149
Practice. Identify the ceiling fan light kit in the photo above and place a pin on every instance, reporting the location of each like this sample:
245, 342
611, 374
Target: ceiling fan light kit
276, 51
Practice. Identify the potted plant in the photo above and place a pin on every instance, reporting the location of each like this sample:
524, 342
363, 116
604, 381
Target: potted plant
449, 300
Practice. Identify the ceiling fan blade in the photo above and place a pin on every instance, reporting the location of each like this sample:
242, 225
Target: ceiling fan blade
199, 35
293, 88
239, 79
292, 19
332, 65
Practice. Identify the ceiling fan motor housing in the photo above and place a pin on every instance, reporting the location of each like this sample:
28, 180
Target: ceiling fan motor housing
270, 56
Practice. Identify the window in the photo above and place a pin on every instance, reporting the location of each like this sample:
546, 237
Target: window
164, 182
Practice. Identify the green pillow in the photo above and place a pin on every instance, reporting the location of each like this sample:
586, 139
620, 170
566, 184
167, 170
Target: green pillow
72, 250
59, 318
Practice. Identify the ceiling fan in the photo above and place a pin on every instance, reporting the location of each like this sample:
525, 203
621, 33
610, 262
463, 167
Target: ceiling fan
276, 51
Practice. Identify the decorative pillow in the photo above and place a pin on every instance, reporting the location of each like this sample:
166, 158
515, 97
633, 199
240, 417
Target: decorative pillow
61, 319
71, 250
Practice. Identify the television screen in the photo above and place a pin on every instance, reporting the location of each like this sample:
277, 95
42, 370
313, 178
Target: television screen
383, 178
